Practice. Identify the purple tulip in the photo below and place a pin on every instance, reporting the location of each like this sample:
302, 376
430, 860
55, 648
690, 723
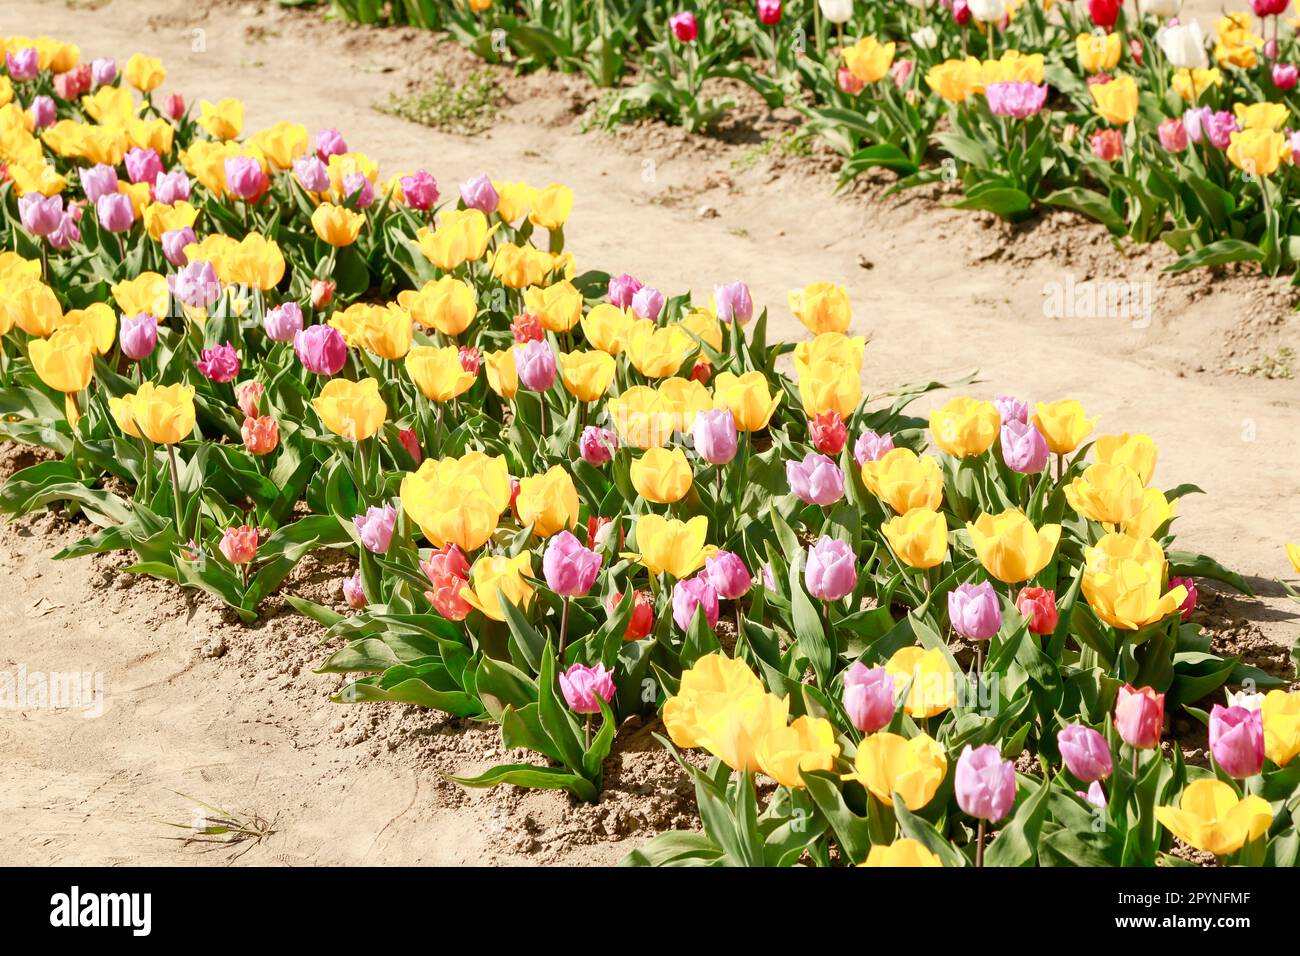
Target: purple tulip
693, 593
375, 528
138, 336
171, 187
1024, 448
40, 216
115, 212
869, 697
1219, 128
597, 445
714, 436
1085, 752
622, 288
354, 592
143, 166
1017, 99
329, 142
24, 64
359, 189
1195, 120
985, 783
420, 190
174, 242
1095, 795
103, 71
219, 364
1012, 409
69, 231
974, 611
872, 447
768, 576
728, 575
245, 178
535, 364
195, 284
733, 303
647, 303
283, 322
479, 193
311, 174
830, 571
583, 685
816, 480
320, 349
43, 112
570, 569
1237, 740
97, 181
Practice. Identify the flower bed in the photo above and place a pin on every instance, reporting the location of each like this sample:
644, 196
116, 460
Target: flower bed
573, 498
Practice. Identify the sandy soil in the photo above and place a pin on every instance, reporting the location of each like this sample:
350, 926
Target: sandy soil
235, 717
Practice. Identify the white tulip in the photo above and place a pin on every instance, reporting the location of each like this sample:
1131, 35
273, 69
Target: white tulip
1160, 9
1243, 699
925, 38
988, 11
921, 4
837, 11
1184, 45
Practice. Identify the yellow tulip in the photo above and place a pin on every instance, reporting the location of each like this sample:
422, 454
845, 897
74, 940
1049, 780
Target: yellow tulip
1008, 546
109, 105
1190, 84
657, 351
223, 119
662, 475
494, 573
1137, 451
457, 500
353, 410
964, 427
551, 206
1111, 494
160, 218
905, 481
954, 80
145, 73
461, 236
512, 200
735, 732
1270, 116
549, 502
1293, 552
808, 743
437, 372
164, 415
1258, 152
340, 166
445, 304
98, 320
502, 373
1211, 818
747, 398
1012, 67
34, 308
337, 225
1156, 509
668, 545
1063, 424
919, 537
388, 332
518, 267
1237, 43
156, 134
1097, 52
279, 145
703, 325
642, 417
833, 347
65, 361
558, 307
887, 763
933, 683
586, 375
904, 852
683, 399
869, 59
1281, 712
606, 327
830, 387
1123, 581
252, 261
821, 307
713, 683
1117, 101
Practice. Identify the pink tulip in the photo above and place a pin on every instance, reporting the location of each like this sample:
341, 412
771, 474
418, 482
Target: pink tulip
245, 178
448, 571
769, 12
283, 322
43, 112
690, 595
195, 284
218, 364
974, 611
848, 81
138, 336
584, 687
597, 445
174, 242
359, 189
24, 64
684, 26
570, 569
354, 592
830, 571
727, 573
143, 165
172, 187
1285, 75
248, 396
239, 544
714, 436
1024, 449
1107, 145
1140, 716
731, 300
471, 359
868, 697
40, 216
1237, 740
261, 435
420, 190
1095, 795
173, 106
647, 303
330, 142
985, 783
311, 174
1085, 752
320, 349
479, 193
872, 447
1189, 602
99, 180
622, 288
103, 71
535, 364
1019, 100
816, 480
1012, 409
1038, 607
375, 528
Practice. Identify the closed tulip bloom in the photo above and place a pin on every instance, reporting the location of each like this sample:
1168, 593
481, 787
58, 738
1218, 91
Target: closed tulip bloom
420, 190
869, 697
919, 537
173, 187
731, 301
337, 225
248, 396
830, 571
769, 12
586, 375
43, 112
747, 397
684, 26
195, 284
828, 433
1172, 135
1097, 52
1237, 740
583, 687
497, 573
904, 852
447, 304
646, 303
621, 289
974, 610
1103, 13
1038, 607
549, 502
1111, 494
320, 349
1063, 424
670, 546
219, 364
1010, 548
1136, 451
985, 783
39, 215
478, 193
1123, 582
597, 445
871, 447
691, 595
837, 11
174, 242
23, 64
1085, 752
1211, 817
1140, 716
311, 174
905, 481
1189, 603
239, 544
64, 361
570, 569
354, 592
714, 436
662, 475
98, 181
448, 573
261, 434
642, 620
375, 528
438, 372
165, 415
353, 410
965, 427
1281, 715
727, 573
1024, 449
283, 322
816, 480
822, 307
1184, 45
138, 336
913, 768
535, 365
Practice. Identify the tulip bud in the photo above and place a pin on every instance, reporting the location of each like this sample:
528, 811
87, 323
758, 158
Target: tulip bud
535, 365
848, 81
828, 433
354, 592
43, 112
714, 436
311, 173
138, 336
869, 697
239, 544
329, 142
621, 289
647, 303
375, 528
830, 572
598, 531
479, 193
1038, 607
420, 190
1085, 752
411, 442
1024, 449
173, 106
701, 371
985, 783
582, 685
728, 575
174, 242
597, 445
769, 12
974, 611
103, 71
816, 480
684, 26
1140, 716
320, 349
1104, 13
322, 293
690, 595
283, 322
1285, 75
642, 621
570, 569
1237, 740
732, 301
1189, 602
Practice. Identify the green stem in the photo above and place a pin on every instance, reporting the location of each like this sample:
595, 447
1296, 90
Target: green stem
176, 493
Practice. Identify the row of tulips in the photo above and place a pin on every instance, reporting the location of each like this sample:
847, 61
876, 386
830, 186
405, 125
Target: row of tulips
573, 498
1127, 115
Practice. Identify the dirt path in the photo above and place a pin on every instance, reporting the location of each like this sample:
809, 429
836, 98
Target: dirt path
940, 293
